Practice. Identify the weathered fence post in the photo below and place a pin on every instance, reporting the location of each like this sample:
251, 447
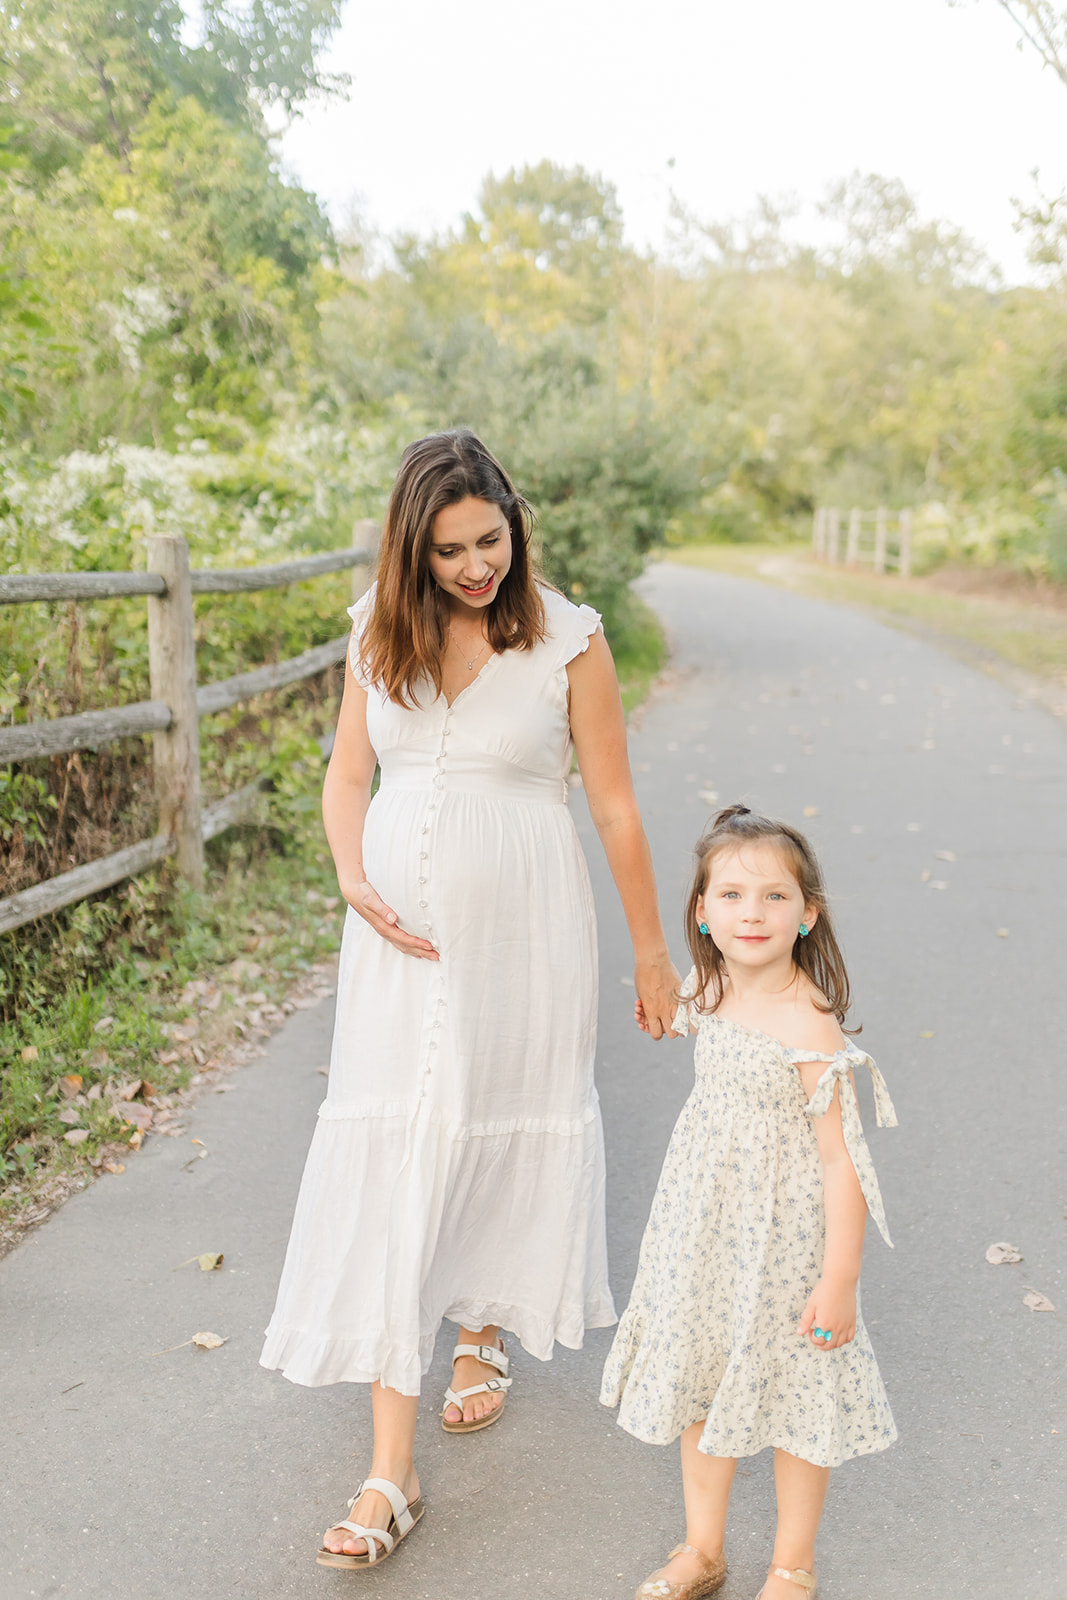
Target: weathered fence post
833, 531
817, 534
365, 534
172, 669
905, 544
880, 528
852, 549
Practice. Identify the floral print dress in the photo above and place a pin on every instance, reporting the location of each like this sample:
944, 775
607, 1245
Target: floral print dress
732, 1250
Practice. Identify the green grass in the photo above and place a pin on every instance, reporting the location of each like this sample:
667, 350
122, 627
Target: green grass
1024, 633
640, 654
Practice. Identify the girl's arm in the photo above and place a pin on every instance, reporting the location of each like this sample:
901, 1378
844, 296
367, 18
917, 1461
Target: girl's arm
345, 797
599, 731
832, 1303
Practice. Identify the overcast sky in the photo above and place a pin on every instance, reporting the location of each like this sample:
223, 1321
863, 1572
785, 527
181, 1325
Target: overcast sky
759, 96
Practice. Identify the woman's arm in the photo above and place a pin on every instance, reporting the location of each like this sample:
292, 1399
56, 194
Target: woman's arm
832, 1304
345, 797
599, 731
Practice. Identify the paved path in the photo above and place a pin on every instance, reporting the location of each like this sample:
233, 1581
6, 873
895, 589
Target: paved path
187, 1475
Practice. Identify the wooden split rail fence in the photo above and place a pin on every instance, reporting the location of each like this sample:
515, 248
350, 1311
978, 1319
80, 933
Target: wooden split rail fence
870, 536
173, 713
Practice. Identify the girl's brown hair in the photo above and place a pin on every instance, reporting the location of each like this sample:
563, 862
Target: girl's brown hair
818, 955
406, 633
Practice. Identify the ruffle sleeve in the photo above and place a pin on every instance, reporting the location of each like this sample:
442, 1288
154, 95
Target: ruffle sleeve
570, 627
837, 1072
360, 613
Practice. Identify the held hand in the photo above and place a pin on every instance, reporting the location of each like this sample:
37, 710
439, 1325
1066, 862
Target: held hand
373, 909
656, 983
832, 1309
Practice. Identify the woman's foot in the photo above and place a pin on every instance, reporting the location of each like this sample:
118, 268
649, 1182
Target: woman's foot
468, 1372
372, 1510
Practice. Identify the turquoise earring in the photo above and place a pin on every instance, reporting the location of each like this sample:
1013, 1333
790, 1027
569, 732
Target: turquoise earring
705, 930
803, 930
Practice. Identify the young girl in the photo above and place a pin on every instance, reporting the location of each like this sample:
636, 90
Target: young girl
744, 1328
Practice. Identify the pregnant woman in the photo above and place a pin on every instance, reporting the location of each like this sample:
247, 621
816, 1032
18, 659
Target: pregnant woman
457, 1168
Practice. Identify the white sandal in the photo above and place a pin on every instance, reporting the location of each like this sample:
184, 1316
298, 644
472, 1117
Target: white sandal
402, 1521
455, 1397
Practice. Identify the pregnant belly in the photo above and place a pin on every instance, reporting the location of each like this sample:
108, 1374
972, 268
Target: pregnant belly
471, 865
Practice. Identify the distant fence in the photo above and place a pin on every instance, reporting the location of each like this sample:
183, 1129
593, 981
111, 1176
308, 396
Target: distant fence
881, 538
172, 715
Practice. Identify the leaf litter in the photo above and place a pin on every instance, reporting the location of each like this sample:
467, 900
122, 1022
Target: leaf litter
1037, 1301
1003, 1254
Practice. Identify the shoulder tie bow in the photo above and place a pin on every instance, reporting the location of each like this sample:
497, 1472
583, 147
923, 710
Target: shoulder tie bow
838, 1071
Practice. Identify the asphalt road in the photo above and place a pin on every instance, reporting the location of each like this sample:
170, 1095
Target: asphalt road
941, 817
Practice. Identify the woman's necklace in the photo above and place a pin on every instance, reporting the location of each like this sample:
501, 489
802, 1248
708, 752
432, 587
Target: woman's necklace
470, 665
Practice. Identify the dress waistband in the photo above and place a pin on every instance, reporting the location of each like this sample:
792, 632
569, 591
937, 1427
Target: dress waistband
510, 783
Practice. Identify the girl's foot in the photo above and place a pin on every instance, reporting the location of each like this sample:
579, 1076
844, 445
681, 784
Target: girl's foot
688, 1573
800, 1585
372, 1510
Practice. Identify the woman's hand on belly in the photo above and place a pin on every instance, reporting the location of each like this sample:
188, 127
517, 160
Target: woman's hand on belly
366, 900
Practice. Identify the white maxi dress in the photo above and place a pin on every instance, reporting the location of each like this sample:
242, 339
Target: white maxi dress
457, 1167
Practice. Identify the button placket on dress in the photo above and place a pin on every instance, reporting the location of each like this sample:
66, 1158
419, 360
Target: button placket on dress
423, 878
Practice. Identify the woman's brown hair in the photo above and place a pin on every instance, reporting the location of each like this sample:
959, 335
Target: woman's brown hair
818, 955
406, 632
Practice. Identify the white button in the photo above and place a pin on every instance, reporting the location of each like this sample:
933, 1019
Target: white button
422, 880
437, 1024
433, 1044
424, 854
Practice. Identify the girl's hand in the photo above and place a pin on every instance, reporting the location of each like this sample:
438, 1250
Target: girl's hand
833, 1309
656, 983
373, 909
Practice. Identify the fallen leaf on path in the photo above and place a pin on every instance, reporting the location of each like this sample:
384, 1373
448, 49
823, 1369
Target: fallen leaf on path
1002, 933
95, 1092
999, 1254
811, 811
325, 1071
114, 1166
128, 1090
138, 1116
199, 1142
136, 1139
925, 875
927, 1034
206, 1341
168, 1058
210, 1263
77, 1136
1038, 1301
186, 1030
70, 1115
946, 855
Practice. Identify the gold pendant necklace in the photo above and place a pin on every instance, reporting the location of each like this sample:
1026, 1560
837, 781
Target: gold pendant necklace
470, 665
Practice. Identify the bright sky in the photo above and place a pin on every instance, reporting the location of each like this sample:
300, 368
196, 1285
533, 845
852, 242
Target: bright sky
758, 96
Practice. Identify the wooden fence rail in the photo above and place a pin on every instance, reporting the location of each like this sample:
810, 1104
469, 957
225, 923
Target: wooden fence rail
868, 538
172, 715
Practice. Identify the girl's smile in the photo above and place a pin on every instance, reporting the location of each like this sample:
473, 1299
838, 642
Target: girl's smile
753, 906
